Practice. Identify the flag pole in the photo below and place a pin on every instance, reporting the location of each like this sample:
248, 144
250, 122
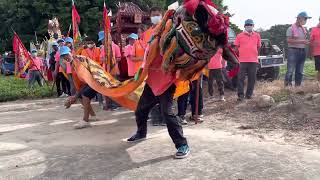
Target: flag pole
69, 30
197, 99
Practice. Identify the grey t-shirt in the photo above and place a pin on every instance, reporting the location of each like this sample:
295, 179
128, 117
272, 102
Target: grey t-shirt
301, 36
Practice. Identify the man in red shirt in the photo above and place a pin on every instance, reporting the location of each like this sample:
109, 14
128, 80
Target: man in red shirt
247, 44
155, 16
160, 89
35, 69
91, 51
315, 47
115, 70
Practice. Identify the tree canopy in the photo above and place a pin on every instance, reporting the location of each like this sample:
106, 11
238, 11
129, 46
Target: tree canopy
28, 17
276, 34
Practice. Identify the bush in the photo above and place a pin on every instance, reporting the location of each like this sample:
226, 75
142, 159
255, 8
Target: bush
13, 89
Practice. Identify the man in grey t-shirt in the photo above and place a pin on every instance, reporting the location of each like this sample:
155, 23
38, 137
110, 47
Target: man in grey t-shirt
297, 42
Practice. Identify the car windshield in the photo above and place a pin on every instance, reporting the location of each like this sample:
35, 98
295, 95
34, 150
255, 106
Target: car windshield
9, 60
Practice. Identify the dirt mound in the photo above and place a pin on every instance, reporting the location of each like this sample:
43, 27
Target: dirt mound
296, 111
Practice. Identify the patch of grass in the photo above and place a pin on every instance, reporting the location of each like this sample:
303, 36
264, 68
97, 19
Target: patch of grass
13, 89
309, 70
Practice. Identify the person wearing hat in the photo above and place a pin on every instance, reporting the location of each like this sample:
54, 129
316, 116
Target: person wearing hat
247, 45
60, 80
129, 53
69, 42
86, 93
61, 42
315, 47
71, 88
115, 51
91, 51
110, 104
297, 42
139, 48
35, 69
52, 61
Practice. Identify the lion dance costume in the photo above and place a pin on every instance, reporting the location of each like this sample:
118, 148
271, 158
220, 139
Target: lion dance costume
185, 39
180, 48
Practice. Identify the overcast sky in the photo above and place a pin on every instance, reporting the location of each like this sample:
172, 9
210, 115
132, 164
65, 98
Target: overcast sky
267, 13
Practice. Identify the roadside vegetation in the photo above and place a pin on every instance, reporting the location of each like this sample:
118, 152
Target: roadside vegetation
13, 89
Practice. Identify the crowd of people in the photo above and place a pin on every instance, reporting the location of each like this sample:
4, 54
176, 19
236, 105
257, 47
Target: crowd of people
157, 98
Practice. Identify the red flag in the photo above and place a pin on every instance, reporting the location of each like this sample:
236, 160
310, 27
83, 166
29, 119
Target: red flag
106, 19
17, 44
75, 22
110, 62
22, 54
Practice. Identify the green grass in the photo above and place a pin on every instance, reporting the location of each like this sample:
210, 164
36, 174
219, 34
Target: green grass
309, 70
13, 89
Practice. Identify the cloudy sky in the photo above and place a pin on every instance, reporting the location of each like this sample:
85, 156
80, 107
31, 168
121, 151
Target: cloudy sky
267, 13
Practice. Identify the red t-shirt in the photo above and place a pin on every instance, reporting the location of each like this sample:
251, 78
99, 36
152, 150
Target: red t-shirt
216, 61
315, 41
158, 80
36, 64
129, 53
93, 54
248, 46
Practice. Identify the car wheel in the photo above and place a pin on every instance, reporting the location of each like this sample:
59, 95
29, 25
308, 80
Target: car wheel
268, 74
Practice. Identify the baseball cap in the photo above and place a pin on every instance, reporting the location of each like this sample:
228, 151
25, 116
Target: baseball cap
249, 22
304, 15
60, 40
133, 36
69, 40
64, 50
101, 35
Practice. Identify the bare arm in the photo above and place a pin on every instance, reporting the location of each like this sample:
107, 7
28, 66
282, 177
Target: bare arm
291, 40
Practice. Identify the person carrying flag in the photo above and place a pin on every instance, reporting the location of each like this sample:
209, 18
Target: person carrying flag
35, 69
115, 71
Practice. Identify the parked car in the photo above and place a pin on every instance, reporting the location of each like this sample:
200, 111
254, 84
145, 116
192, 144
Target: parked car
7, 65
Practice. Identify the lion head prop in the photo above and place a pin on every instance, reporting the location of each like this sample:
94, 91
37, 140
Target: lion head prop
192, 35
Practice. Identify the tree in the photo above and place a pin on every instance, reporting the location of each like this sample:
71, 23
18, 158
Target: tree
276, 34
29, 16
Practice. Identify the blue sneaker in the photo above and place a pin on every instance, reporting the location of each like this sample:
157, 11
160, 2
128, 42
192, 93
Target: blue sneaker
183, 152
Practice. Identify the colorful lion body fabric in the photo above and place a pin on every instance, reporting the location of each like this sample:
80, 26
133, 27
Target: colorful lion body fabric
186, 39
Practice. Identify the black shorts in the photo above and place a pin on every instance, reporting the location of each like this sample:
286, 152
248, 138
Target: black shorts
317, 62
89, 93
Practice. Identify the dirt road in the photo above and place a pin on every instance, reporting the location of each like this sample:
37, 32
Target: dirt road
37, 141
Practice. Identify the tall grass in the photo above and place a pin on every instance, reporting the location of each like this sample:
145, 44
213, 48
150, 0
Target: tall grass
14, 89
